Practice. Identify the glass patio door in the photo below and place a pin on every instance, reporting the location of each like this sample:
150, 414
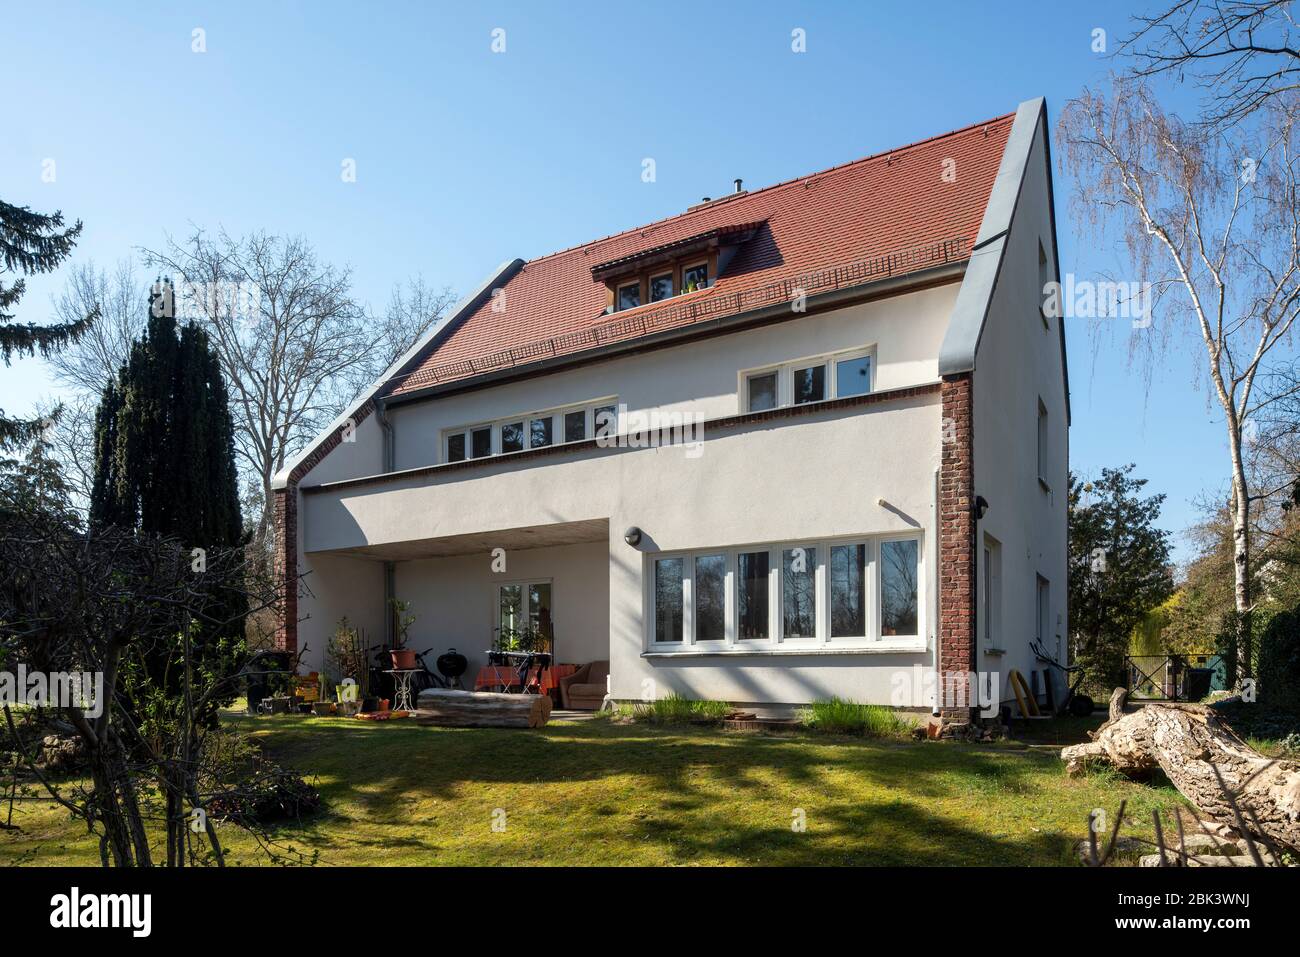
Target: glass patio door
524, 616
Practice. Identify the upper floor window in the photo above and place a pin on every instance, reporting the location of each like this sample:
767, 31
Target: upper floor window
533, 431
835, 376
659, 283
684, 264
695, 277
661, 287
762, 389
629, 296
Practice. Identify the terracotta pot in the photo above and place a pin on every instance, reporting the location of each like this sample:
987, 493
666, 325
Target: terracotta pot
383, 704
403, 659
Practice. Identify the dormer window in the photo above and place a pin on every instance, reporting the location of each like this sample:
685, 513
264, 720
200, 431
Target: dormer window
676, 268
661, 287
629, 296
695, 277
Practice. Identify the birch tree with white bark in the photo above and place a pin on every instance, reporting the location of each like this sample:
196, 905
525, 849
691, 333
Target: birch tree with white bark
1209, 216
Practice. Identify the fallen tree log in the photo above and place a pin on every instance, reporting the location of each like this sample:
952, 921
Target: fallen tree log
482, 709
1205, 760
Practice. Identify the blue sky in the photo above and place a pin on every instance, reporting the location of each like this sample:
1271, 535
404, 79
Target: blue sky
466, 157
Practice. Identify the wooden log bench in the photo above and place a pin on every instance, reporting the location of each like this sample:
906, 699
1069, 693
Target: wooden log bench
481, 709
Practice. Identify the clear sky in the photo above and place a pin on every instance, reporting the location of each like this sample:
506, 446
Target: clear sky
465, 157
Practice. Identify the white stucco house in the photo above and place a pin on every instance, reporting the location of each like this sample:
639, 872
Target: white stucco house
870, 490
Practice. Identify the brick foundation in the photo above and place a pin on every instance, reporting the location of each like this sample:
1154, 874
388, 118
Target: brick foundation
956, 633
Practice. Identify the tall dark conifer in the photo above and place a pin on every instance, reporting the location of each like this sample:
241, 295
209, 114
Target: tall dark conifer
165, 460
31, 243
165, 456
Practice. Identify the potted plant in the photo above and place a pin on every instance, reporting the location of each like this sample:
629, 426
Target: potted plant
322, 705
349, 653
403, 657
281, 700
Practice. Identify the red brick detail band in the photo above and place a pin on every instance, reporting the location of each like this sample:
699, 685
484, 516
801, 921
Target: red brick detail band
286, 532
956, 634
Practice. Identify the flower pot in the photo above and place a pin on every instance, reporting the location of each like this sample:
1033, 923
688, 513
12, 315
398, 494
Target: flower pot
383, 704
321, 708
280, 705
403, 659
370, 704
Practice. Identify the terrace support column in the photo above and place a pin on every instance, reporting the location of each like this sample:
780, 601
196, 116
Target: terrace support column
956, 632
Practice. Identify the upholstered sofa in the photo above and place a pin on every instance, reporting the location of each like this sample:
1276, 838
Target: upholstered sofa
584, 690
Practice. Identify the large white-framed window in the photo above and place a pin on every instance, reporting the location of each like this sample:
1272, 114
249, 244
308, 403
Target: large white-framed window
849, 573
900, 588
863, 592
521, 609
531, 430
835, 375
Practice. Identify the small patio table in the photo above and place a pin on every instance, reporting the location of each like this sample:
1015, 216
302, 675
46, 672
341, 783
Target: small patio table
402, 687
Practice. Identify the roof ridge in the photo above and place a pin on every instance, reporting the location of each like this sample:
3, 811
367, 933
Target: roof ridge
839, 167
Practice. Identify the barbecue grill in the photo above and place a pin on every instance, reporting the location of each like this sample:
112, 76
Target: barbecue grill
451, 665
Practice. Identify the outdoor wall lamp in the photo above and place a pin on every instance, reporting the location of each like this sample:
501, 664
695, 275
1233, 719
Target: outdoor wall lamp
632, 536
981, 506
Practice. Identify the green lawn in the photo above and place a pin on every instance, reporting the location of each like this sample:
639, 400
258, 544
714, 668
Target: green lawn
598, 792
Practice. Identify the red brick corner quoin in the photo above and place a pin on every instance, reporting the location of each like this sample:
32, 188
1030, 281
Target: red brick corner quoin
286, 535
956, 633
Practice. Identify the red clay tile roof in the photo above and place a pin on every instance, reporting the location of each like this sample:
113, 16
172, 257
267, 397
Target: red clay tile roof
883, 215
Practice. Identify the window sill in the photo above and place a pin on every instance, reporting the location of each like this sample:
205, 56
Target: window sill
879, 648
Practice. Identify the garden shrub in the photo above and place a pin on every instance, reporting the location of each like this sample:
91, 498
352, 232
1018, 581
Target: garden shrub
1279, 662
249, 788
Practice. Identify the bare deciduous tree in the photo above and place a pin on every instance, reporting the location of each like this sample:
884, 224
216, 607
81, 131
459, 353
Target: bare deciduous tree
122, 299
1244, 53
293, 341
410, 313
1212, 219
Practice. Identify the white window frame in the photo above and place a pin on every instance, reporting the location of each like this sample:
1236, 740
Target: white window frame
695, 264
833, 361
524, 584
689, 636
773, 597
880, 588
753, 374
556, 414
785, 375
871, 614
688, 601
821, 596
776, 639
